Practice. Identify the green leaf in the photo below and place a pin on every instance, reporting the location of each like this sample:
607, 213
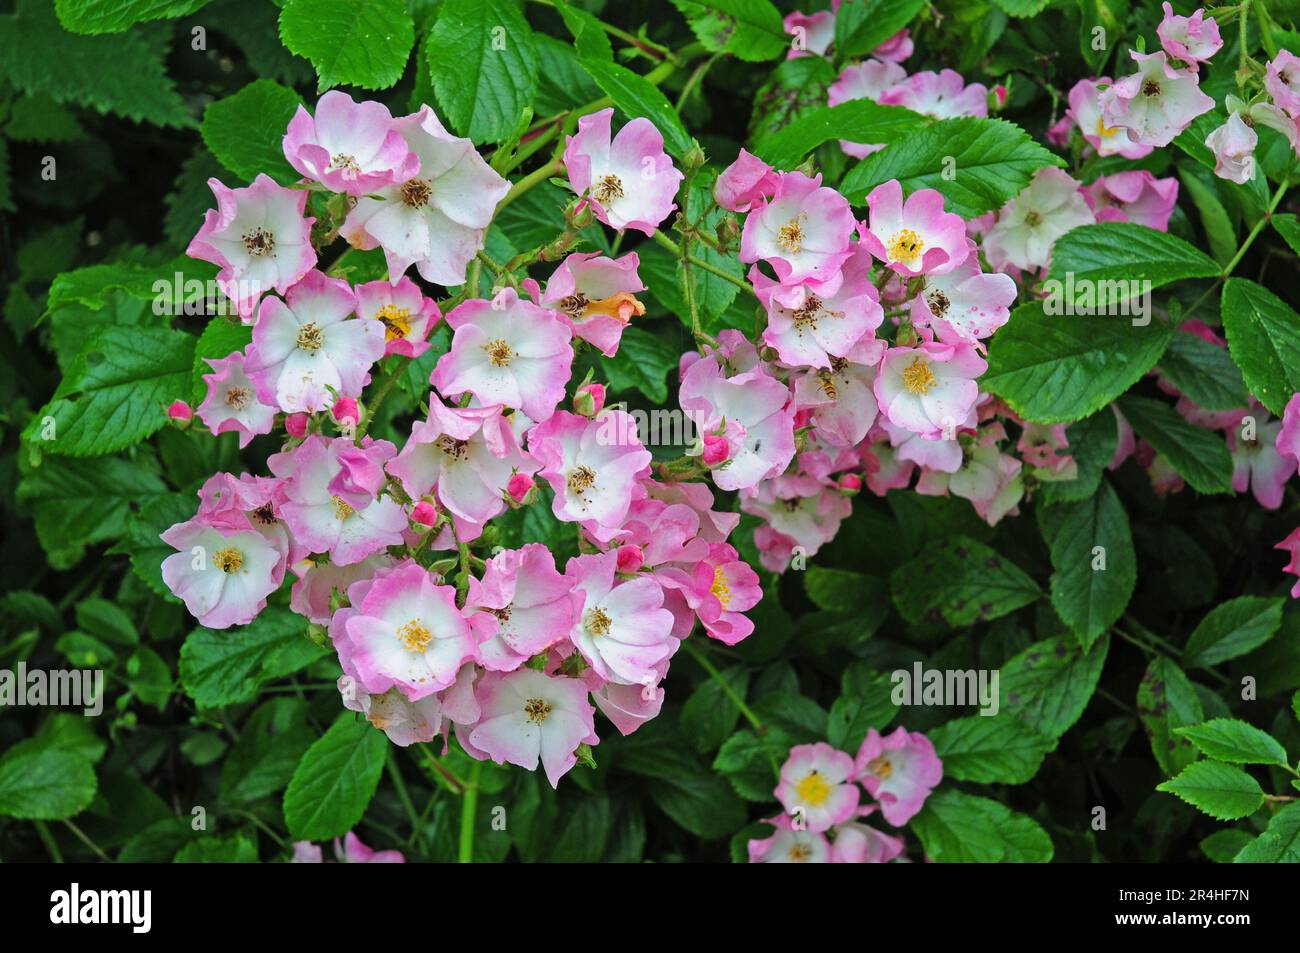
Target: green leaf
141, 537
862, 25
750, 762
483, 62
588, 36
1288, 226
1104, 260
994, 159
349, 43
120, 74
685, 789
1166, 701
709, 716
751, 30
1223, 845
222, 667
95, 286
1058, 369
1233, 628
117, 391
1220, 790
1280, 842
643, 362
635, 97
270, 745
795, 87
1049, 684
334, 782
114, 16
246, 131
955, 827
859, 120
1264, 339
78, 503
1199, 455
106, 620
1204, 372
1228, 739
990, 749
1090, 589
960, 582
1021, 8
1214, 218
231, 849
1092, 445
43, 782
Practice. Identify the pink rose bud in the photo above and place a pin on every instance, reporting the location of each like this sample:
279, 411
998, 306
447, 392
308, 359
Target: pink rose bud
999, 96
589, 400
180, 411
345, 411
630, 558
424, 513
715, 450
519, 487
296, 424
850, 484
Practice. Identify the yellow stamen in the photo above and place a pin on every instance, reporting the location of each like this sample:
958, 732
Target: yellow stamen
607, 189
396, 321
917, 377
499, 353
598, 622
228, 560
880, 767
812, 790
415, 636
906, 246
581, 479
790, 236
341, 509
720, 589
310, 337
537, 710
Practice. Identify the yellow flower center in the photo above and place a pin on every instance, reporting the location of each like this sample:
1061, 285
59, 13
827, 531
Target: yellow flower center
799, 853
813, 790
416, 193
790, 236
720, 589
499, 353
906, 246
880, 767
917, 377
228, 560
415, 636
537, 710
237, 398
581, 479
598, 622
607, 189
259, 242
1104, 130
341, 509
396, 321
310, 337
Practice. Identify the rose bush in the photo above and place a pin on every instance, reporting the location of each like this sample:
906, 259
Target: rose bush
553, 431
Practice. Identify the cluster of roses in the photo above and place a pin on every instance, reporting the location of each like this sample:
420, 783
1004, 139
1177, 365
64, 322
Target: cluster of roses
510, 658
861, 408
821, 788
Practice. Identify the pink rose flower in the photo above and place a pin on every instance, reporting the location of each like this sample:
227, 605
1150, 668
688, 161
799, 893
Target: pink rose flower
232, 402
815, 786
1133, 196
866, 80
437, 218
222, 576
1085, 110
623, 631
789, 846
747, 182
596, 297
1029, 224
803, 232
407, 633
929, 389
308, 345
532, 602
964, 305
899, 770
630, 181
527, 716
1191, 39
1156, 103
259, 239
753, 402
406, 314
349, 147
507, 351
943, 95
1233, 145
916, 237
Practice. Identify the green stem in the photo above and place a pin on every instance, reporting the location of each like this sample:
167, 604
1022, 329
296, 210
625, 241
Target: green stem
402, 794
694, 80
385, 385
1241, 251
534, 178
468, 808
701, 264
51, 845
727, 690
443, 771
